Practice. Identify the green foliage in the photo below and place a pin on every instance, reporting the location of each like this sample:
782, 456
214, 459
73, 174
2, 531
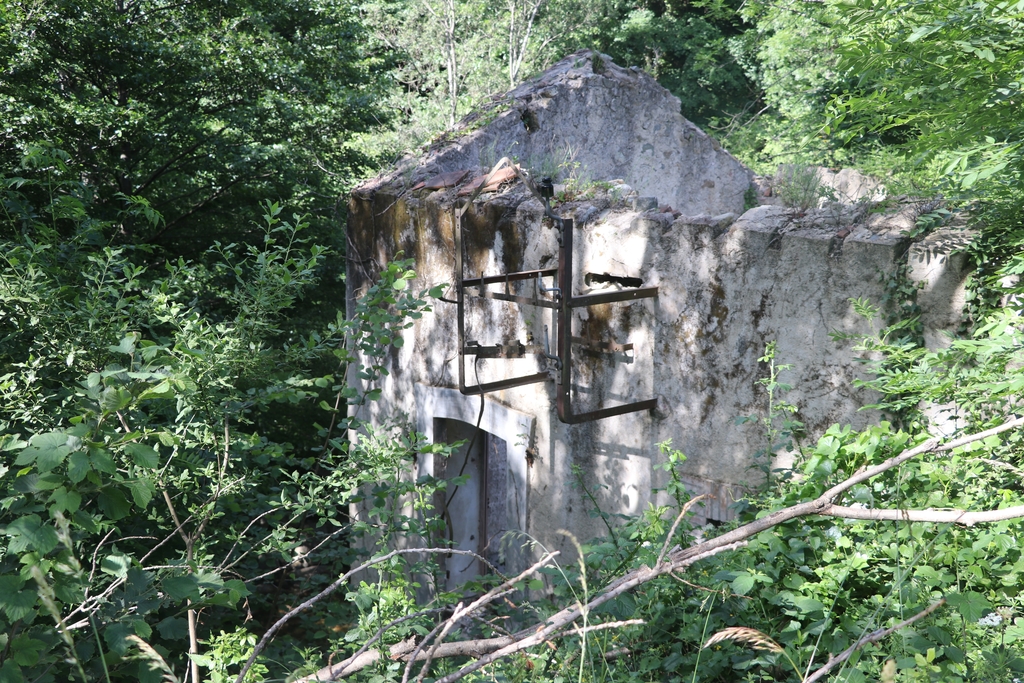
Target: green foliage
141, 483
815, 585
942, 78
686, 46
788, 51
798, 187
202, 108
782, 430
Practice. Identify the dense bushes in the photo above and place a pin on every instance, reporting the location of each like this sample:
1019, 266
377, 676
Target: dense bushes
143, 494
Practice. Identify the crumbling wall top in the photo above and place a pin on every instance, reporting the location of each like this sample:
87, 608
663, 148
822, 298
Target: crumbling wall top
586, 119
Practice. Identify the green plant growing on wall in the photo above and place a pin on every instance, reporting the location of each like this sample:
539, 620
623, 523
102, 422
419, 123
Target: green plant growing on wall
781, 430
799, 187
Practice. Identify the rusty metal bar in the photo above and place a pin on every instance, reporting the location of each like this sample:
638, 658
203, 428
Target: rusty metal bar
601, 413
467, 349
516, 349
562, 306
613, 297
563, 389
515, 298
511, 277
460, 296
487, 387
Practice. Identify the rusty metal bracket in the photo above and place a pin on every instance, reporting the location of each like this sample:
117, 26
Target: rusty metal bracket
563, 388
562, 303
514, 349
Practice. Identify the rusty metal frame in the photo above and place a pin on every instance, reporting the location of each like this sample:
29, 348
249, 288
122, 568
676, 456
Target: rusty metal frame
562, 306
563, 387
472, 348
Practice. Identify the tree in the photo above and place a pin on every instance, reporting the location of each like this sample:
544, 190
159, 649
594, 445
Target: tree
142, 480
688, 47
944, 79
203, 108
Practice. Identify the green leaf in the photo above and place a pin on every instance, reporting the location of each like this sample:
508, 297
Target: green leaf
113, 503
116, 636
127, 346
143, 455
921, 32
11, 673
237, 589
807, 605
115, 399
116, 565
101, 461
182, 587
66, 501
78, 466
16, 603
162, 390
45, 450
142, 491
971, 604
25, 650
142, 629
742, 584
29, 532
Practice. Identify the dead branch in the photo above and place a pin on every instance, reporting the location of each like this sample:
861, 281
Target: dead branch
562, 619
872, 637
419, 648
489, 650
333, 587
385, 628
1000, 463
466, 648
483, 600
963, 517
672, 532
607, 625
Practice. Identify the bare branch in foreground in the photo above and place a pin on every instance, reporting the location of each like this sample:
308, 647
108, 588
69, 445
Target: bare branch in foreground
483, 600
962, 517
333, 587
607, 625
386, 627
872, 637
490, 650
672, 532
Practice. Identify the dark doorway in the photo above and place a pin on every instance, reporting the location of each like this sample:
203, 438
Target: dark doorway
475, 510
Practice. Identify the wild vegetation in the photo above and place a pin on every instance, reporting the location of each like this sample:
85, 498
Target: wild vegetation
177, 468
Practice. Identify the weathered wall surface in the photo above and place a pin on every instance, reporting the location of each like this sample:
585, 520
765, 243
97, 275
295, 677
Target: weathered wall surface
613, 122
726, 289
728, 285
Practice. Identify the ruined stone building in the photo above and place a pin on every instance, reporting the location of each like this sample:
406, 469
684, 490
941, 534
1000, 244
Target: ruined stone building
681, 271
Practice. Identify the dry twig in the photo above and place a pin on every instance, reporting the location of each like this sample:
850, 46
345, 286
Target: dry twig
489, 650
872, 637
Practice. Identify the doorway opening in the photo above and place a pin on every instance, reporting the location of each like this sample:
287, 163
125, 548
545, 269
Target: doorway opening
474, 507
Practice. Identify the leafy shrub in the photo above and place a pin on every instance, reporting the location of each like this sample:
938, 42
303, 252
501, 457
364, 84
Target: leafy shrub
143, 499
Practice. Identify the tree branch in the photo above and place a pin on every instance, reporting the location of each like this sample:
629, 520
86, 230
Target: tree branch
964, 517
333, 587
489, 650
872, 637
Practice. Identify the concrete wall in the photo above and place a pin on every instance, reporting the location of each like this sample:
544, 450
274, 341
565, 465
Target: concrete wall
598, 123
728, 286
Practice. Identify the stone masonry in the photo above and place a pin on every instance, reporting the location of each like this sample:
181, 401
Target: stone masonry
654, 201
